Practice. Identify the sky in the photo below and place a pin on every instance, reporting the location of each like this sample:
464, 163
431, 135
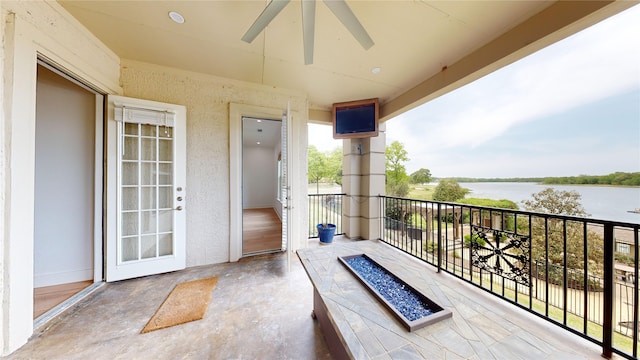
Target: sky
572, 108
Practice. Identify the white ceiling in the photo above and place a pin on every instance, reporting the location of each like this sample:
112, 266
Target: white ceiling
414, 41
266, 132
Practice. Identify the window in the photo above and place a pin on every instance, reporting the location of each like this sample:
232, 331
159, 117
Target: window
623, 248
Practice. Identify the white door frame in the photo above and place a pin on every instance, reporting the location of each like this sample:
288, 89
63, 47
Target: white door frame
236, 113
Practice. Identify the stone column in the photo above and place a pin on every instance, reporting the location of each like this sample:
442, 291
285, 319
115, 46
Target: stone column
363, 179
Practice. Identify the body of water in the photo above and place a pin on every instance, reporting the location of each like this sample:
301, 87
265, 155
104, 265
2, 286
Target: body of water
602, 202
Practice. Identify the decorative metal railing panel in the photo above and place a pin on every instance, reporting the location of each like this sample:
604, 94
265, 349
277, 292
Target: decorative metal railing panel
505, 254
564, 269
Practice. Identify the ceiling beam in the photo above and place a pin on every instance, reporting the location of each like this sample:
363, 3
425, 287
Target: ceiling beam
556, 22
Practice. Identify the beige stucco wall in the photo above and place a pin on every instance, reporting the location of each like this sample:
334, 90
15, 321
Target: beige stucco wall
39, 29
207, 99
32, 29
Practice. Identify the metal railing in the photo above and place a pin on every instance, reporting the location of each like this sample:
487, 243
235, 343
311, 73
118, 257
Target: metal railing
325, 208
561, 268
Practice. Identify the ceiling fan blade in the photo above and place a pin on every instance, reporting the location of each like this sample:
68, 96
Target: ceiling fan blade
269, 12
342, 11
308, 29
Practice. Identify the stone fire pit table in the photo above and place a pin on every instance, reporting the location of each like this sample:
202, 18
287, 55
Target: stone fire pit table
356, 325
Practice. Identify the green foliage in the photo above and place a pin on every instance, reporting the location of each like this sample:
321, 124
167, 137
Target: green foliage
555, 202
626, 259
617, 178
430, 246
575, 277
469, 240
324, 166
399, 189
449, 190
500, 204
396, 156
421, 192
316, 169
334, 166
471, 180
421, 176
396, 173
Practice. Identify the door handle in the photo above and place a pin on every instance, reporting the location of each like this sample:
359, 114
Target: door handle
179, 208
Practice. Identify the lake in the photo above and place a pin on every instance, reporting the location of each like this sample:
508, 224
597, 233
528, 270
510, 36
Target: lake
602, 202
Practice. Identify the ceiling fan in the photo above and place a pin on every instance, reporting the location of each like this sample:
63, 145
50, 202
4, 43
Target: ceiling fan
339, 8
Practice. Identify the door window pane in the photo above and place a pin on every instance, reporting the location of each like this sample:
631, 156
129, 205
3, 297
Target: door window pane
165, 132
129, 223
130, 173
165, 244
130, 248
149, 130
165, 175
165, 198
166, 221
166, 150
148, 198
148, 220
131, 129
148, 173
130, 150
130, 198
148, 244
148, 149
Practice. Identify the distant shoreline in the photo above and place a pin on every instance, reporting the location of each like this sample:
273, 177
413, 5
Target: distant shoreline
617, 179
551, 184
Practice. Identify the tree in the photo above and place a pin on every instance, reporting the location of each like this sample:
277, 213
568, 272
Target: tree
421, 176
396, 173
317, 166
552, 251
396, 156
550, 201
449, 190
334, 166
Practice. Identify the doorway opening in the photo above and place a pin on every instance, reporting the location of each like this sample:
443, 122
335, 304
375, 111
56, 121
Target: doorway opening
68, 189
262, 205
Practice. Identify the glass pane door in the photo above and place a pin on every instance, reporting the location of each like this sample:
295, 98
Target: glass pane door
146, 192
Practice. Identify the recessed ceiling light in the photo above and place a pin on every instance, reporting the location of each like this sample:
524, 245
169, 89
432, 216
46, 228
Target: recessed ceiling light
259, 120
376, 70
175, 16
258, 142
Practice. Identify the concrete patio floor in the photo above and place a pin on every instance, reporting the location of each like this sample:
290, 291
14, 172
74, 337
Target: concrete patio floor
259, 310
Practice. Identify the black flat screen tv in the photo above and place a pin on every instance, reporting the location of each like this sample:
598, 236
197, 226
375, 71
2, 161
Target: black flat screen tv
355, 119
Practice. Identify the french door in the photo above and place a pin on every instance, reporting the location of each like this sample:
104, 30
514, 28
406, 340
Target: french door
147, 171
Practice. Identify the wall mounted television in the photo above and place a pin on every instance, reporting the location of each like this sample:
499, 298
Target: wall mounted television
355, 119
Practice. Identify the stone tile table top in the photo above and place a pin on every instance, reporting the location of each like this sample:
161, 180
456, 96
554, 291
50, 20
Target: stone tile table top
482, 326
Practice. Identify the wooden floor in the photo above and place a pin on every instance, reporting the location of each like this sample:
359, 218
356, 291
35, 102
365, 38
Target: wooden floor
45, 298
261, 231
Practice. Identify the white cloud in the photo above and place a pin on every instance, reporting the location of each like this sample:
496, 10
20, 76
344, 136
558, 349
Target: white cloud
599, 62
595, 64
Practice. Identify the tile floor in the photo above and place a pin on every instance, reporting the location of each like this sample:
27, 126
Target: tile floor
259, 310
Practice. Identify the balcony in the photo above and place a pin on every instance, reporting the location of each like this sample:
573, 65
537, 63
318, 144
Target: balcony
261, 310
559, 268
